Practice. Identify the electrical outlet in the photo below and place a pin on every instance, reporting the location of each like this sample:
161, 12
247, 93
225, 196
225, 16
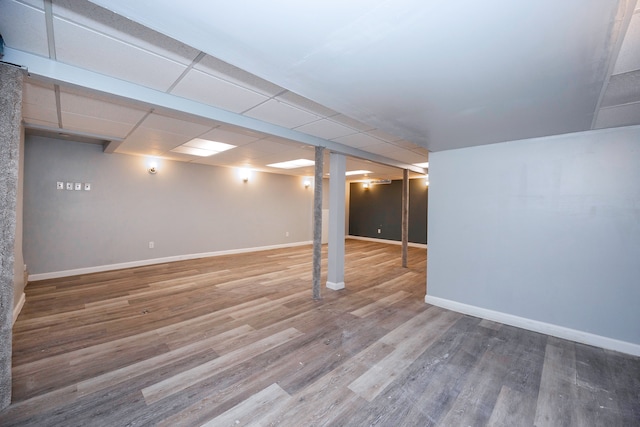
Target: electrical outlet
152, 245
87, 186
286, 234
60, 185
69, 185
379, 230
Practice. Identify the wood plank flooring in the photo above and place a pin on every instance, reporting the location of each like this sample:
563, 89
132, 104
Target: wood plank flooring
237, 340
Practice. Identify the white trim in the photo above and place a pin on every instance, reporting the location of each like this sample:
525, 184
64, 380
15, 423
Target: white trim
335, 286
18, 308
391, 242
537, 326
145, 262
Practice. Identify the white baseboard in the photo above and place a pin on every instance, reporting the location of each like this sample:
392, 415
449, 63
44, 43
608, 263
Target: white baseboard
391, 242
335, 286
18, 308
537, 326
145, 262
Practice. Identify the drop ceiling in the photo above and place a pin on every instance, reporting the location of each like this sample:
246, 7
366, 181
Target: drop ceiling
383, 82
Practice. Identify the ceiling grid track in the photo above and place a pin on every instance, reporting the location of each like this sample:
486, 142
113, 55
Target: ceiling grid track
627, 9
186, 71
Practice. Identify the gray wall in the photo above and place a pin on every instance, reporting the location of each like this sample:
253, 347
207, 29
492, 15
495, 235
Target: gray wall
546, 229
184, 208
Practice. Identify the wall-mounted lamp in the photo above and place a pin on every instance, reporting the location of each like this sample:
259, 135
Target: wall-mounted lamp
152, 167
307, 183
245, 174
366, 185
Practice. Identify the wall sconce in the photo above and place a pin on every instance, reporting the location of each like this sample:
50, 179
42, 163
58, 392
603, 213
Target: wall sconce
366, 185
245, 174
152, 168
307, 183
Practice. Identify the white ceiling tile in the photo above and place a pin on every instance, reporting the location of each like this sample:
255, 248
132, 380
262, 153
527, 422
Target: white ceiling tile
621, 115
382, 148
622, 89
326, 129
78, 46
306, 104
232, 135
116, 26
380, 134
23, 27
358, 140
211, 90
228, 72
405, 144
173, 125
422, 151
282, 114
629, 56
85, 106
353, 123
95, 125
406, 156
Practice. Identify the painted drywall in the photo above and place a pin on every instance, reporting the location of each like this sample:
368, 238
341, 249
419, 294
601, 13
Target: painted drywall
546, 229
184, 208
380, 208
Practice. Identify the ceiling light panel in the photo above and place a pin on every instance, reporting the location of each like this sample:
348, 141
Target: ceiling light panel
356, 172
292, 164
193, 151
204, 144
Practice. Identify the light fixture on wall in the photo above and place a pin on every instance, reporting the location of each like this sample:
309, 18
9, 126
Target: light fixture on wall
307, 182
366, 185
152, 167
426, 180
245, 174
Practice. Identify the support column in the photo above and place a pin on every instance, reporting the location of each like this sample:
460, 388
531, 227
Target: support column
317, 222
10, 123
405, 216
337, 184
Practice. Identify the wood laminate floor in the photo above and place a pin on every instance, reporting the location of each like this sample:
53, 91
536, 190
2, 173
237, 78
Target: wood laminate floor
237, 340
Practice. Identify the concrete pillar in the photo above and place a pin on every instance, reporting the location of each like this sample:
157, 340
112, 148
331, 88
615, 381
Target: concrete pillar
337, 185
10, 124
317, 222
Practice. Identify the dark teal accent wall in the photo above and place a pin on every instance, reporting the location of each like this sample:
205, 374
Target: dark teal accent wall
380, 208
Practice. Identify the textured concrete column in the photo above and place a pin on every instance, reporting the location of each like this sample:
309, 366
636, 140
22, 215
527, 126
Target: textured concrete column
317, 222
10, 118
337, 184
405, 216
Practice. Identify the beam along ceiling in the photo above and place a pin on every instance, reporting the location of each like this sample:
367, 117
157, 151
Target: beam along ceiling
389, 78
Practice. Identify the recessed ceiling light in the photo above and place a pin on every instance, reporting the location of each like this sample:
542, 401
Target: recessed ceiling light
292, 164
422, 165
202, 147
358, 172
